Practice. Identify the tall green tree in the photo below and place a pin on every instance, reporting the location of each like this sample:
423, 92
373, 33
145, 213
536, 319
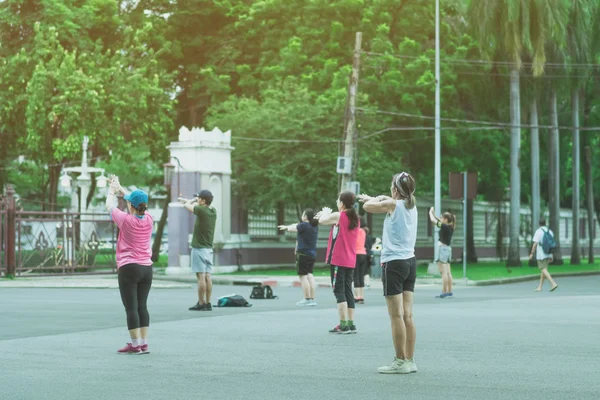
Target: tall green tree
69, 69
579, 36
509, 30
72, 94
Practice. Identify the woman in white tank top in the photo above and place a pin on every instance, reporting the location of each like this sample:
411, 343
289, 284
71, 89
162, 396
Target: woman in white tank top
399, 266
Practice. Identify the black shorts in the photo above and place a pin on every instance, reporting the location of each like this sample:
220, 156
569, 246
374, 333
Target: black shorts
399, 276
304, 264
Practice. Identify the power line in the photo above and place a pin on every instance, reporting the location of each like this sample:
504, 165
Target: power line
285, 140
536, 77
430, 128
493, 73
468, 121
487, 62
66, 163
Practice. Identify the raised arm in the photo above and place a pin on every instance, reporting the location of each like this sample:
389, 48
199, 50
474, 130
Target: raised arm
111, 201
377, 205
289, 228
327, 217
111, 198
188, 204
432, 216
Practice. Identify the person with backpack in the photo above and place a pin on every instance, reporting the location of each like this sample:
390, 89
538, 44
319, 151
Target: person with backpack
398, 266
306, 254
134, 261
543, 247
446, 224
341, 257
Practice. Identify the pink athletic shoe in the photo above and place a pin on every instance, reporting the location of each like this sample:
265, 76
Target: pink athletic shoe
130, 349
145, 349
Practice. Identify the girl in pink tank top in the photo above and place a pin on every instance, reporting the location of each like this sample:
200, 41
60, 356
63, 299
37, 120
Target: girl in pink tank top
341, 256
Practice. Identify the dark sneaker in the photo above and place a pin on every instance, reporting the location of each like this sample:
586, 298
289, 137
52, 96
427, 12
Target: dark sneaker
197, 307
441, 296
360, 301
352, 329
341, 330
206, 307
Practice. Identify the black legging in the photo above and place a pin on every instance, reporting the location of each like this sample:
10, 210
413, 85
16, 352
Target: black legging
360, 271
134, 284
341, 279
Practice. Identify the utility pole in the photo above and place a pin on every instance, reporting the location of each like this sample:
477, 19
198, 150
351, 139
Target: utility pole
349, 134
438, 145
11, 210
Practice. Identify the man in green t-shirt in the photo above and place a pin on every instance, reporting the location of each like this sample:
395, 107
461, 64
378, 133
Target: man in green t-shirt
202, 243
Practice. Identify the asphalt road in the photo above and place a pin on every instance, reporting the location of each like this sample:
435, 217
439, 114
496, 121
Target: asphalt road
501, 342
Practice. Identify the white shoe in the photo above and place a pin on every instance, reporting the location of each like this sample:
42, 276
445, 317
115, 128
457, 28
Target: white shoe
312, 303
397, 366
412, 365
303, 303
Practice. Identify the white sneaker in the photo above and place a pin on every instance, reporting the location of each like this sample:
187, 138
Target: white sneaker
312, 303
412, 365
303, 303
397, 366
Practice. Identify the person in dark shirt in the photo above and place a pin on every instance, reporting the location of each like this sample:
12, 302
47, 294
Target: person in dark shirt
306, 253
446, 224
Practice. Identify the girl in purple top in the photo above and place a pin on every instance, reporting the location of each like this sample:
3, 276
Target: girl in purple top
133, 262
341, 256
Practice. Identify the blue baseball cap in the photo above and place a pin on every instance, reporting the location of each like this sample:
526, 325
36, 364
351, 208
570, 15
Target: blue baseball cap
136, 197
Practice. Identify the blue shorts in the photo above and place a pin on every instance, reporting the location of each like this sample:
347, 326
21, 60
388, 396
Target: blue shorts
445, 254
202, 260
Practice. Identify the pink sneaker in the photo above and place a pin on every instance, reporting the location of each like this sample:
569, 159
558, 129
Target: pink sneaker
130, 349
145, 349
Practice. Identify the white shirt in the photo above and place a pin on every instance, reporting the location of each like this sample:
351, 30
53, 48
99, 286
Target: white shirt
399, 233
538, 237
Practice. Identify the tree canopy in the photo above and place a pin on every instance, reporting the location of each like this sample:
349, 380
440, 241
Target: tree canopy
129, 73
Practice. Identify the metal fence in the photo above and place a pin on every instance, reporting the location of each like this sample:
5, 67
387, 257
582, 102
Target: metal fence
263, 226
64, 242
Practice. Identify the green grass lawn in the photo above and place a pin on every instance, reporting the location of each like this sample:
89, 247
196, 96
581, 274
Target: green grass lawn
476, 272
485, 271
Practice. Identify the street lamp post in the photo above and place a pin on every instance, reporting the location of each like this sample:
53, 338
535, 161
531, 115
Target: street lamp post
169, 170
84, 181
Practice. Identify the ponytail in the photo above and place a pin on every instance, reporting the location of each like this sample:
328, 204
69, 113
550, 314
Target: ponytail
451, 218
405, 185
410, 202
310, 216
348, 199
141, 208
353, 217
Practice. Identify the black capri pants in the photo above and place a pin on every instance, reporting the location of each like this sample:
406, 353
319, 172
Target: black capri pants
341, 280
134, 284
360, 271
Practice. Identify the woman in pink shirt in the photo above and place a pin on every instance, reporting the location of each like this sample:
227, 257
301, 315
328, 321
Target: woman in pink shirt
341, 256
134, 262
